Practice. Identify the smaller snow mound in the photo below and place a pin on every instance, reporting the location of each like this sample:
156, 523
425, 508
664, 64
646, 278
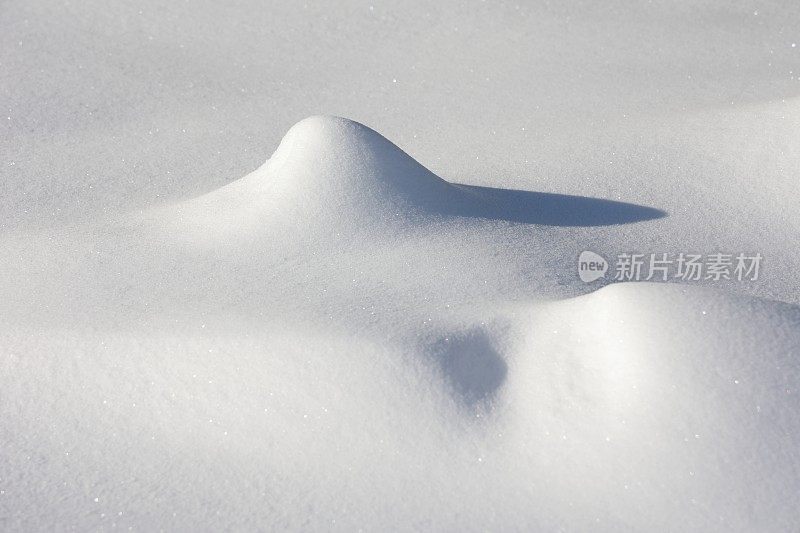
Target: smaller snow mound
686, 395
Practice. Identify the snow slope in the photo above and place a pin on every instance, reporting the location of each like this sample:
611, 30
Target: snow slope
356, 335
321, 344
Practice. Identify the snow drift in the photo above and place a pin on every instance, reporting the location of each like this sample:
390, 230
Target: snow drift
336, 176
343, 340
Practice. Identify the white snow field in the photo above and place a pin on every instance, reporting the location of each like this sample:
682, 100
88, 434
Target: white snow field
358, 336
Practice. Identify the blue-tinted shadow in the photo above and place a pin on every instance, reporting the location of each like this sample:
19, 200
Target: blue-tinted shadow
549, 209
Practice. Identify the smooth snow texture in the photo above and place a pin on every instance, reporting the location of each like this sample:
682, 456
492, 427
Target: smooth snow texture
342, 339
319, 345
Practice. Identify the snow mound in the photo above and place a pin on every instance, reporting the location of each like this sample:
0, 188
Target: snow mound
329, 175
335, 176
341, 163
644, 404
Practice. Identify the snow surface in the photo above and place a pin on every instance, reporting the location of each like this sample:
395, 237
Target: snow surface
352, 337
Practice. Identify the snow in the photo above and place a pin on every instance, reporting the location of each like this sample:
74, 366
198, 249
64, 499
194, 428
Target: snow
382, 327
